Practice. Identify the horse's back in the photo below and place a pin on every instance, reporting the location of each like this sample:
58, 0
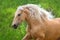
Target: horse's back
57, 19
53, 29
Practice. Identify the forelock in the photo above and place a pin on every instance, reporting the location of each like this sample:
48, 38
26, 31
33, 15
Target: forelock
20, 8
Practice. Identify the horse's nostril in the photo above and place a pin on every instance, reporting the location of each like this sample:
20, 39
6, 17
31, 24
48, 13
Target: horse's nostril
15, 26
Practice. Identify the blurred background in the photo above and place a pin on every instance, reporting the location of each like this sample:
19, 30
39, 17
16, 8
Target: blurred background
7, 10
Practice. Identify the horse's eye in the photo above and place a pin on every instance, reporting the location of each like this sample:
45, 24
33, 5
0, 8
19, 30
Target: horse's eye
19, 14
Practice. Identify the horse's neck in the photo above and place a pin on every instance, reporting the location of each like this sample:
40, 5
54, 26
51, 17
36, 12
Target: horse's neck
36, 23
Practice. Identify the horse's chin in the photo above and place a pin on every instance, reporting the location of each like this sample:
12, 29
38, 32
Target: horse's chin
15, 27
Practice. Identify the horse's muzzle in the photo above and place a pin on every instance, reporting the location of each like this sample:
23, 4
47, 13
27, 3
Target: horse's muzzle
15, 26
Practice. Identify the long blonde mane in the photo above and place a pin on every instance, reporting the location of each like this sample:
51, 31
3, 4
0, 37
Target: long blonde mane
37, 12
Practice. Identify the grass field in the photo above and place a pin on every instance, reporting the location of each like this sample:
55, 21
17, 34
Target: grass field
7, 9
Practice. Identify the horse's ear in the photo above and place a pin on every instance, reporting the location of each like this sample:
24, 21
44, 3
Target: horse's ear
26, 10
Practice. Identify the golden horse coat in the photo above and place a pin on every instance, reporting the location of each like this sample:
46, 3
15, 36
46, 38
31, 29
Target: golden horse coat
41, 24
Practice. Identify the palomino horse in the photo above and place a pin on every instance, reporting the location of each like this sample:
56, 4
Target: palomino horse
41, 24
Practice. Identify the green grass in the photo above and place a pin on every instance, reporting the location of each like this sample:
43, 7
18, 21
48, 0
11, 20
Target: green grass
7, 10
